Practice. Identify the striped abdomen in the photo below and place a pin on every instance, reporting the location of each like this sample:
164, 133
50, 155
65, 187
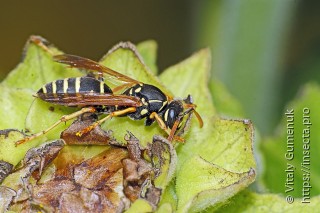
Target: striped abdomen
73, 87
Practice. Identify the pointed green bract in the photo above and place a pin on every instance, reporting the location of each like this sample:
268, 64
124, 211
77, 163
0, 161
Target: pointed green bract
38, 68
148, 50
125, 59
191, 77
223, 143
227, 143
207, 184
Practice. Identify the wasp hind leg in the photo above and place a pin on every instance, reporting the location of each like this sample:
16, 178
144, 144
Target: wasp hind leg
61, 120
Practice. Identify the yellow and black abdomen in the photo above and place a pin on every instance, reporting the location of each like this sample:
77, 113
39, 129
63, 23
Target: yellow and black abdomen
61, 91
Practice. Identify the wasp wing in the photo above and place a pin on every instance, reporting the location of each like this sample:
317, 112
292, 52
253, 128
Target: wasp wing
91, 99
88, 64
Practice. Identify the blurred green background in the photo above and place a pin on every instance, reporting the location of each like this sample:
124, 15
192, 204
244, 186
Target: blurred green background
263, 51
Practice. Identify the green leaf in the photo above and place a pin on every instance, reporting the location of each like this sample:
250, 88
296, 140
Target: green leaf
191, 77
225, 103
35, 122
140, 205
305, 138
15, 104
165, 208
125, 59
148, 50
227, 144
207, 184
8, 151
221, 142
38, 68
169, 197
247, 201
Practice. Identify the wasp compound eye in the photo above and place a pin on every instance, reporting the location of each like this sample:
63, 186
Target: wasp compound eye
172, 113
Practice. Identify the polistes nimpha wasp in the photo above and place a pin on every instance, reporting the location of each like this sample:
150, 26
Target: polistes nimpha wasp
137, 101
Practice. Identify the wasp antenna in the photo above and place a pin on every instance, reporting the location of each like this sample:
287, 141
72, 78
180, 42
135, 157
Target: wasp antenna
192, 108
199, 118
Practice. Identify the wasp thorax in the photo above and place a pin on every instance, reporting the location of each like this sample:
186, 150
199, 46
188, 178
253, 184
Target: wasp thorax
152, 98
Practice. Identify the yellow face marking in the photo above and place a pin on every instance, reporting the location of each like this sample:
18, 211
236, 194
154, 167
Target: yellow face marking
130, 92
101, 87
166, 115
77, 86
144, 111
65, 85
54, 87
138, 89
44, 89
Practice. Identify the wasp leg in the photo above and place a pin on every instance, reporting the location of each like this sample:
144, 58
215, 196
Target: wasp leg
99, 122
171, 136
162, 125
61, 120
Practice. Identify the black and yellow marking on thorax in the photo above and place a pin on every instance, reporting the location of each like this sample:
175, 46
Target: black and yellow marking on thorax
164, 103
152, 98
144, 112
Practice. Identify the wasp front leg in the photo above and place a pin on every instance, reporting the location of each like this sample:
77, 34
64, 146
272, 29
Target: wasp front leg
99, 122
171, 133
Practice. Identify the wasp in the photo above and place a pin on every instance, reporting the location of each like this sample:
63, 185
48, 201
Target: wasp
137, 100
